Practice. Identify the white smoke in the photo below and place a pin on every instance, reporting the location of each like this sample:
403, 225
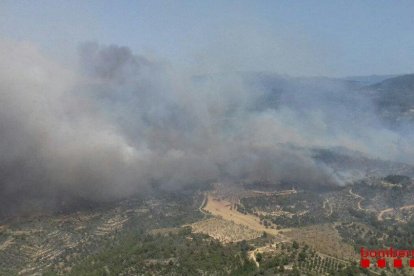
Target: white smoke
120, 122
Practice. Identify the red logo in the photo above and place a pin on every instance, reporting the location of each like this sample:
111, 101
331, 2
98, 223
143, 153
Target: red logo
364, 263
381, 256
397, 263
412, 263
381, 263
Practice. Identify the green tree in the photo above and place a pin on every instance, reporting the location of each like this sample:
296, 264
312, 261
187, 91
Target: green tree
259, 257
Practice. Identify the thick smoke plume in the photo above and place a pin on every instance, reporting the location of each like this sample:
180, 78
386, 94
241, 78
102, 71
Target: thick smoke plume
120, 122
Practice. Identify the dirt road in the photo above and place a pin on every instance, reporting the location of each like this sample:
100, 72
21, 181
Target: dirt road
357, 196
381, 214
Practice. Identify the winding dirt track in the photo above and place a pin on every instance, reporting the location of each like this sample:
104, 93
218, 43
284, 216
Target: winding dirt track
357, 196
326, 202
203, 203
381, 214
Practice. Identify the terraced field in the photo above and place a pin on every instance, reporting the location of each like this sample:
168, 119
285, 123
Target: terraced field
325, 239
225, 231
224, 209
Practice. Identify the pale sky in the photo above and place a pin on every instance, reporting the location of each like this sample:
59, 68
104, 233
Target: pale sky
330, 38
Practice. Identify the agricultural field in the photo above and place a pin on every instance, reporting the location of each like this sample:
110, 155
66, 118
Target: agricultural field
226, 210
225, 229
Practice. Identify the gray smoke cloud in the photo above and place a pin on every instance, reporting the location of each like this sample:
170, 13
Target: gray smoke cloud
119, 123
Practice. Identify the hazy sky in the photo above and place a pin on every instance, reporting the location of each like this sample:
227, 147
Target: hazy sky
332, 38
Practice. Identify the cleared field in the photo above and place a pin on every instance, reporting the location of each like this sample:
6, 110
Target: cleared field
224, 230
224, 209
325, 239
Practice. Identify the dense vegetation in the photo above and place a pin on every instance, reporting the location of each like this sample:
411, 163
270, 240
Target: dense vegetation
181, 253
147, 237
294, 210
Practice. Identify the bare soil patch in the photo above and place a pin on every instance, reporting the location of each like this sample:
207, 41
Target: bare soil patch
324, 238
224, 209
225, 231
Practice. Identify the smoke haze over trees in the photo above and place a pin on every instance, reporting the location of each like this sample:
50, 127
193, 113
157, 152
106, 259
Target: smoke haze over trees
119, 122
